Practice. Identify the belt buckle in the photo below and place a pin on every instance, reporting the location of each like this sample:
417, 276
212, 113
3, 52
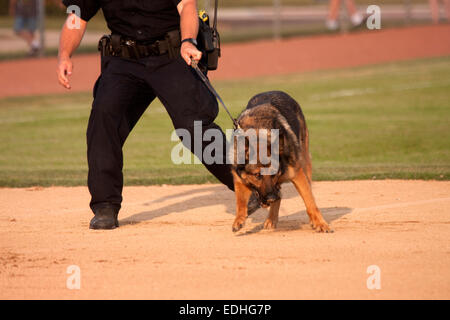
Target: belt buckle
130, 42
132, 48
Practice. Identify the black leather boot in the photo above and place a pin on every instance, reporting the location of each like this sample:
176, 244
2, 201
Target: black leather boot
105, 218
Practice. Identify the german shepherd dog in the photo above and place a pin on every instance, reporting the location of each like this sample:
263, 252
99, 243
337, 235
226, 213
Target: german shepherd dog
275, 110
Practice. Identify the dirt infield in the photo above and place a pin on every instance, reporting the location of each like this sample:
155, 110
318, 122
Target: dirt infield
260, 58
175, 242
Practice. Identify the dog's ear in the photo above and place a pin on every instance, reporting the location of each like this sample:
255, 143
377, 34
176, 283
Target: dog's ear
289, 154
284, 144
288, 141
240, 170
283, 165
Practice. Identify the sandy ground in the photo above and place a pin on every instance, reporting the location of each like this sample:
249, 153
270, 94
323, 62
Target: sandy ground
175, 242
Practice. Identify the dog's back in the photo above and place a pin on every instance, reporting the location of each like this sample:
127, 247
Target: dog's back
261, 107
288, 108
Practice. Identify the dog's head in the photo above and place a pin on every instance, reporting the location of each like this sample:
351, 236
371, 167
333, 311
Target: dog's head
266, 186
268, 146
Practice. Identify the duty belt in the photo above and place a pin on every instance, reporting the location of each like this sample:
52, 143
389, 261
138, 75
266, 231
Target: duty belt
119, 46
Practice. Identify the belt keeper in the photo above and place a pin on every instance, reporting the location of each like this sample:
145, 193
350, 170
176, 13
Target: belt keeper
144, 50
136, 52
170, 48
115, 44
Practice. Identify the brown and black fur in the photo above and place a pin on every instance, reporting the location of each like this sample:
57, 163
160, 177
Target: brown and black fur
276, 110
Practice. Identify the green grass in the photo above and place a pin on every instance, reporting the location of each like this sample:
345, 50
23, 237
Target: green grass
383, 121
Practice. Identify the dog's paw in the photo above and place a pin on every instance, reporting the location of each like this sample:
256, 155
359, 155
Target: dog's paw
270, 224
321, 226
238, 225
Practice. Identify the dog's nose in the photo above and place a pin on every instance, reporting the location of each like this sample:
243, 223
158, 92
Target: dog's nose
271, 198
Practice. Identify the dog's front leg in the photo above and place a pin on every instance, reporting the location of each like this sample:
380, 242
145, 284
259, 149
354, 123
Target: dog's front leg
272, 219
303, 186
243, 194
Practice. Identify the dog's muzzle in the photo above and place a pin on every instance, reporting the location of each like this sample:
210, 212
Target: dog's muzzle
268, 199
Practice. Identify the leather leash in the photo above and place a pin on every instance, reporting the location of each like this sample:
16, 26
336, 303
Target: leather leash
194, 65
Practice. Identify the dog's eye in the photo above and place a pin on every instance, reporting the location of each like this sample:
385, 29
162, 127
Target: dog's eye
258, 175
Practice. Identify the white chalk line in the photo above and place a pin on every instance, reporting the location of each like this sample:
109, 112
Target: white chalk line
364, 91
399, 205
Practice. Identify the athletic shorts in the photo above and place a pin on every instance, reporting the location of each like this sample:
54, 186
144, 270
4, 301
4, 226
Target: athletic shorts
22, 23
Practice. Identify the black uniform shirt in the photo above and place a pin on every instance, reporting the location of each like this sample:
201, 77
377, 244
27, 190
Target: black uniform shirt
142, 20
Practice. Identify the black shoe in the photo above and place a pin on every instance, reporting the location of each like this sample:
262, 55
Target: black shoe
253, 203
34, 52
105, 218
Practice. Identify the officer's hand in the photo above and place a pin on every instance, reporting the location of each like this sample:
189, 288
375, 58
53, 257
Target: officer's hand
189, 52
64, 70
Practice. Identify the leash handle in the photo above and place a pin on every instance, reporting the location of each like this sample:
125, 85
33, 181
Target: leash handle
194, 65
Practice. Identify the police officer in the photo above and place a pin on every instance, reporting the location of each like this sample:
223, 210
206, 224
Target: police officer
147, 56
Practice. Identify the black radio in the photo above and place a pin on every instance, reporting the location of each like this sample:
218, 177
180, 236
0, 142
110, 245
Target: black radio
208, 40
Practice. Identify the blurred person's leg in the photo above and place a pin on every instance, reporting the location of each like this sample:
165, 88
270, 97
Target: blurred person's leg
447, 9
355, 17
434, 8
35, 46
21, 31
351, 7
333, 14
25, 29
26, 35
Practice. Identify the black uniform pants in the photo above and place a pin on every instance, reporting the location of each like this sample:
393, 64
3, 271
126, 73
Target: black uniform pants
122, 93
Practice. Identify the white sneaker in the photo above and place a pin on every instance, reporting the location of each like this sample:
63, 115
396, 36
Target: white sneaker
35, 44
332, 25
356, 19
35, 47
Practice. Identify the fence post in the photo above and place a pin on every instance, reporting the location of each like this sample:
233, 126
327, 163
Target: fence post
277, 19
343, 18
41, 20
407, 5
